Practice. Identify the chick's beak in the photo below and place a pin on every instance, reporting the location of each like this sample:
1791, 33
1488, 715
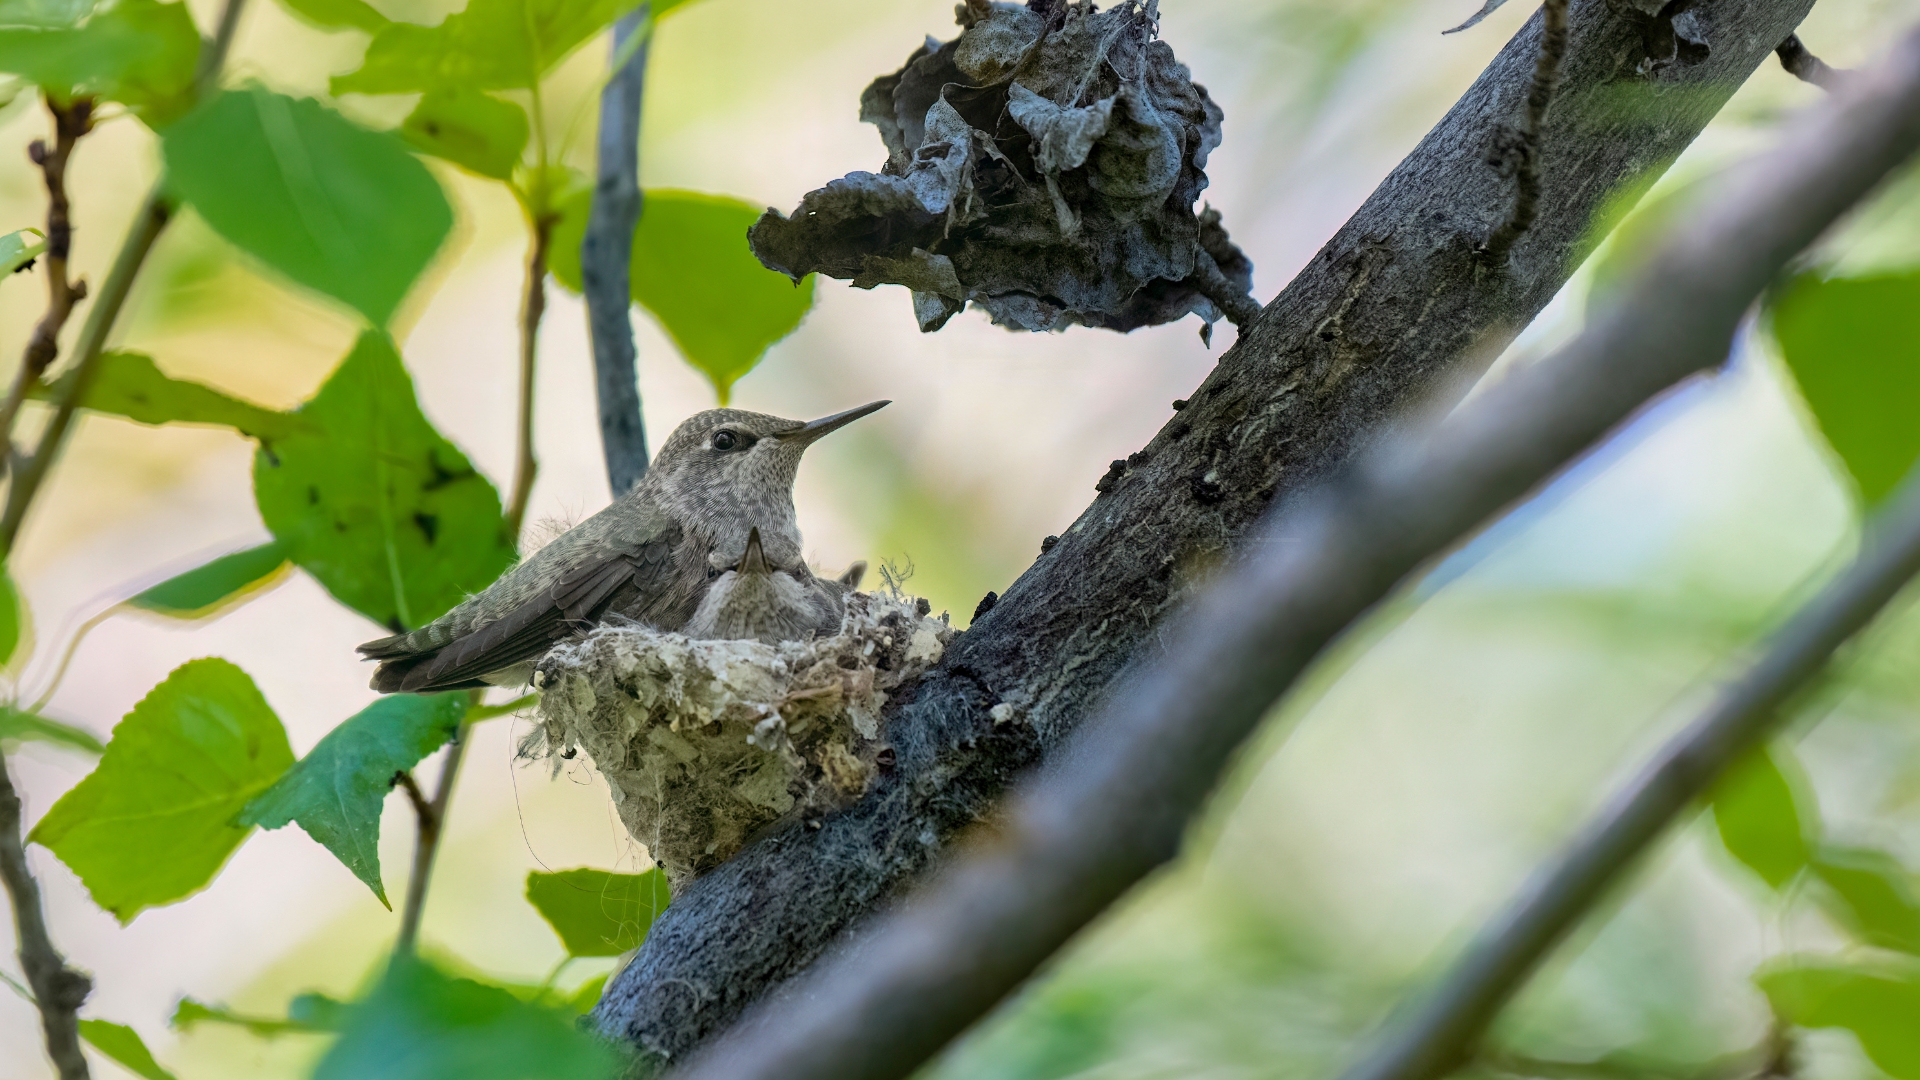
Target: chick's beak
807, 433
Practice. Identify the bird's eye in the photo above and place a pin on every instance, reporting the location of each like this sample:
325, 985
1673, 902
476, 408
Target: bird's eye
725, 440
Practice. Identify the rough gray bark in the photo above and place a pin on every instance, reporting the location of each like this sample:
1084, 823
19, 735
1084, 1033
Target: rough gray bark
1396, 308
606, 256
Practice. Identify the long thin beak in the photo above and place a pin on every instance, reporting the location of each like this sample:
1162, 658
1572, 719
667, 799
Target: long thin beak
809, 432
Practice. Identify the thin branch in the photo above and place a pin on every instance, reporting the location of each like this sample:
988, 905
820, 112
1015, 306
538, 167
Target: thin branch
606, 257
1456, 1013
73, 386
1117, 806
1805, 66
58, 990
532, 307
422, 809
432, 819
70, 122
1526, 148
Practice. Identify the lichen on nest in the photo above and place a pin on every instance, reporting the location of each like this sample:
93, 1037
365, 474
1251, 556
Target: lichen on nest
706, 743
1043, 166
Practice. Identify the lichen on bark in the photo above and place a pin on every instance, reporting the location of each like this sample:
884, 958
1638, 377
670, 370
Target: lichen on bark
1043, 166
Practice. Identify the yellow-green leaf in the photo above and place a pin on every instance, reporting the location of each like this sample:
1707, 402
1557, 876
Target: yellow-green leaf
491, 45
474, 130
1874, 894
123, 1045
1760, 820
156, 819
597, 912
137, 52
1880, 1005
19, 725
339, 14
131, 385
20, 247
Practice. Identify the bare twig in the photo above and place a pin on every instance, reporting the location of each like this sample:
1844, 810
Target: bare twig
606, 257
1116, 809
58, 990
73, 386
532, 306
1526, 148
1805, 66
70, 122
422, 809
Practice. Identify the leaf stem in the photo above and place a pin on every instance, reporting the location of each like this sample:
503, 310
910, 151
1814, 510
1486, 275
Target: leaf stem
58, 990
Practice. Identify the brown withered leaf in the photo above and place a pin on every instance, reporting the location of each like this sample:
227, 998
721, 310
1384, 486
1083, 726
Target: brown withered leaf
1042, 166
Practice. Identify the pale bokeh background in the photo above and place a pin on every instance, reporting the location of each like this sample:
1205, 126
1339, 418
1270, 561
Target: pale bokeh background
1388, 809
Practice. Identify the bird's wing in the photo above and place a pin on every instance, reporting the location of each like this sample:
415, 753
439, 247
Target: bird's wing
574, 602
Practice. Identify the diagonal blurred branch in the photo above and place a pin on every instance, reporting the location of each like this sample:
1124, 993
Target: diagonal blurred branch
1396, 309
1075, 840
1453, 1018
606, 257
1803, 65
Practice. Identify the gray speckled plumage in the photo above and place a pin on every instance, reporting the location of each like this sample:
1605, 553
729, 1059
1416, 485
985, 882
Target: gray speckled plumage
650, 556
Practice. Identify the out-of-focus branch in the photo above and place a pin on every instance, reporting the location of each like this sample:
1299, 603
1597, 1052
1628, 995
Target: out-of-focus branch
606, 257
1805, 66
1397, 309
1526, 148
432, 822
73, 386
533, 306
70, 122
1078, 837
58, 990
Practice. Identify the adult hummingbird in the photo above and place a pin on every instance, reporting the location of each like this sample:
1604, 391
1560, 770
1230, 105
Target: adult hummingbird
723, 478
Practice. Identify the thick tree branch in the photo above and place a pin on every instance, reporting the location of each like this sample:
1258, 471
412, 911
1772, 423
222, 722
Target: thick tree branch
58, 990
1456, 1013
606, 258
1077, 839
1395, 309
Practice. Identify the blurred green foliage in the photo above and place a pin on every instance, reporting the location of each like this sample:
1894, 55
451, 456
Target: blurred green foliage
420, 1024
212, 586
139, 53
596, 912
123, 1045
131, 385
335, 207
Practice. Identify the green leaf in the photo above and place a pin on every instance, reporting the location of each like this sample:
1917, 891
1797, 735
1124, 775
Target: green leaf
19, 725
1874, 894
10, 612
1878, 1006
154, 821
1759, 818
339, 14
492, 45
385, 513
190, 1012
420, 1024
214, 586
131, 385
587, 995
123, 1045
47, 14
17, 249
140, 53
476, 131
1854, 347
337, 790
596, 912
693, 271
342, 210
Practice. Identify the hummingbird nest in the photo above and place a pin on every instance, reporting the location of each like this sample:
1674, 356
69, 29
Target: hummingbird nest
1042, 166
705, 743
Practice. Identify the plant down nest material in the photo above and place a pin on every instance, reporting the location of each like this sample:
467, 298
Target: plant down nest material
707, 743
1043, 166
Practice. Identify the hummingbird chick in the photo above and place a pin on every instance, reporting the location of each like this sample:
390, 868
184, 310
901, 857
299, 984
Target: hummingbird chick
719, 492
755, 600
